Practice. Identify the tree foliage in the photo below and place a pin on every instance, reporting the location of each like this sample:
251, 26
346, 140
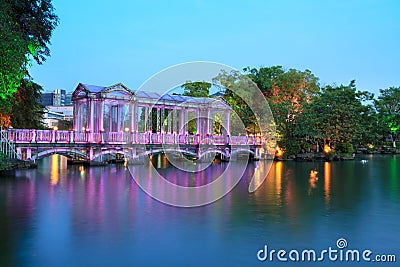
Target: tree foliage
35, 20
197, 89
25, 30
27, 112
239, 94
337, 114
287, 93
388, 107
12, 57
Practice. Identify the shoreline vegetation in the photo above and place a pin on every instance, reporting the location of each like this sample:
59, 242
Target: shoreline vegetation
335, 121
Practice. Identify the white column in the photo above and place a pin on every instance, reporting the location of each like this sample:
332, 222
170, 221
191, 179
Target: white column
91, 119
175, 124
134, 121
181, 121
132, 117
119, 117
208, 131
228, 122
146, 118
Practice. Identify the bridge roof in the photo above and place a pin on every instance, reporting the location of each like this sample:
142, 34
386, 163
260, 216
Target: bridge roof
83, 90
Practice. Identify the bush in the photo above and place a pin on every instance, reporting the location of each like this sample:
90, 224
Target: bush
3, 159
290, 147
344, 149
306, 146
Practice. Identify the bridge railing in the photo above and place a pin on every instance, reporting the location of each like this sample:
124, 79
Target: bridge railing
63, 136
238, 140
83, 137
80, 137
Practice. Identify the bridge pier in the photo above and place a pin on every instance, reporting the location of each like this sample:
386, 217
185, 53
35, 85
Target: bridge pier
227, 155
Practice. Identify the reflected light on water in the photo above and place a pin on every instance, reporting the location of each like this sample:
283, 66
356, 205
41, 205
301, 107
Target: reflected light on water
313, 180
82, 172
257, 174
327, 181
278, 177
55, 166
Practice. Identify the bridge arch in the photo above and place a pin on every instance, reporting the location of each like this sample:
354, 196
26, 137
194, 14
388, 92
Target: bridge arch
111, 152
67, 152
164, 151
217, 151
248, 150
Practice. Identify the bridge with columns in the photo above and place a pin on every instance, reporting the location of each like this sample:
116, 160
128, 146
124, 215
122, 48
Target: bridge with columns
131, 125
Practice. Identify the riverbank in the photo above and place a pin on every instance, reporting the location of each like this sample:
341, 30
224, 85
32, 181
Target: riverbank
320, 156
16, 164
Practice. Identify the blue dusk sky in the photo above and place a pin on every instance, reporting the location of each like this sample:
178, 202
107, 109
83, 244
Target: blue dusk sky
106, 42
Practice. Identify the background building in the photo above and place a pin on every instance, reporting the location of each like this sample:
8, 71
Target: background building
58, 97
59, 109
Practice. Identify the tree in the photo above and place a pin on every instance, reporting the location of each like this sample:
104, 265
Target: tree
265, 77
27, 112
25, 28
12, 58
239, 95
196, 89
287, 93
337, 114
35, 20
388, 107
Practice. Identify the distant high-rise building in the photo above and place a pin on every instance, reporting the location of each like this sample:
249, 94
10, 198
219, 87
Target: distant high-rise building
58, 97
47, 99
68, 99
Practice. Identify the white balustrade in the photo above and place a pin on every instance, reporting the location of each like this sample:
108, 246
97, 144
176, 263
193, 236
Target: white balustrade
156, 138
218, 140
182, 139
44, 136
63, 136
169, 138
52, 136
193, 139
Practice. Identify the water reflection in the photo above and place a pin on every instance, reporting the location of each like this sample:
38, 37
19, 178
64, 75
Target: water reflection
55, 160
327, 182
78, 216
313, 179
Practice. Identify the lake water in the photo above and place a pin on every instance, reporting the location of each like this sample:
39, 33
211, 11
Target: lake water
59, 215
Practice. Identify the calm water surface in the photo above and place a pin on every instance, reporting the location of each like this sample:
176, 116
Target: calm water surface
59, 215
